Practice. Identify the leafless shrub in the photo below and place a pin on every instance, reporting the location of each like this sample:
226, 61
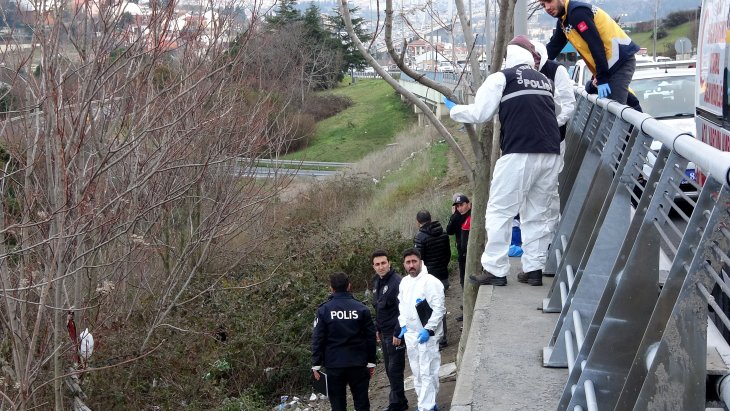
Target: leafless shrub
322, 106
126, 176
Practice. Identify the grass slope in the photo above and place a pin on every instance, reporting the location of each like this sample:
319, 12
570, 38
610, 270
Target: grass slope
376, 116
645, 39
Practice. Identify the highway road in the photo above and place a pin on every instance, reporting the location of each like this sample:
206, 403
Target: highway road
267, 168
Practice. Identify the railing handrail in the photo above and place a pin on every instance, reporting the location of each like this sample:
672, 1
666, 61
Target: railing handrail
706, 157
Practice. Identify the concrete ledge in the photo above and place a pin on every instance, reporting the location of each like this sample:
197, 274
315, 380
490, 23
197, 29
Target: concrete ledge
463, 397
501, 369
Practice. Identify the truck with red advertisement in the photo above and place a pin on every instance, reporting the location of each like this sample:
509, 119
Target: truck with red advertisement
713, 105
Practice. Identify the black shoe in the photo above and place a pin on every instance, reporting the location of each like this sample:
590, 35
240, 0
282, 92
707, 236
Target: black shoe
534, 277
460, 318
522, 277
487, 278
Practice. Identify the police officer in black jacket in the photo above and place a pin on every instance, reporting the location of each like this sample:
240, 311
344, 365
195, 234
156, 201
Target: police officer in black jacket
343, 342
387, 329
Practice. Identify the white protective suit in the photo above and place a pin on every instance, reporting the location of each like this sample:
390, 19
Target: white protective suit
425, 359
523, 184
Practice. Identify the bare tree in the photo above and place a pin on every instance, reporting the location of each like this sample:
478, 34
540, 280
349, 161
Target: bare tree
125, 172
484, 143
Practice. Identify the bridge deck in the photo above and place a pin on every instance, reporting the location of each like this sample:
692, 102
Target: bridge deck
502, 366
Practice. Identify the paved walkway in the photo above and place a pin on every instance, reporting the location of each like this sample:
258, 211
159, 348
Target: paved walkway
502, 365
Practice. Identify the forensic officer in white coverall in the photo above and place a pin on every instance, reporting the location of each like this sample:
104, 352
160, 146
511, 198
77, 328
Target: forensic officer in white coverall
526, 175
421, 340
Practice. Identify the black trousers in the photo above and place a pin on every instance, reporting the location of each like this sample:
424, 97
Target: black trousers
357, 378
462, 270
394, 359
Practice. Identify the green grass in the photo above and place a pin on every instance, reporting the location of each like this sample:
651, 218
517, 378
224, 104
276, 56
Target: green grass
370, 123
645, 39
439, 159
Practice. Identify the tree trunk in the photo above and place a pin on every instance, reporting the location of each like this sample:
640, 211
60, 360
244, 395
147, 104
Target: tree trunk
483, 144
477, 234
486, 158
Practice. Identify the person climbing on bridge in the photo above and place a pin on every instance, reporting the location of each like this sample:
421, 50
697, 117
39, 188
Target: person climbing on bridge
608, 51
526, 175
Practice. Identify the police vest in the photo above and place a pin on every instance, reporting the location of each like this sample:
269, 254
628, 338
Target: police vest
527, 113
616, 43
549, 69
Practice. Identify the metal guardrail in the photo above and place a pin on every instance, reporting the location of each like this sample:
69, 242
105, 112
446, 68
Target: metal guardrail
301, 163
268, 168
446, 78
634, 336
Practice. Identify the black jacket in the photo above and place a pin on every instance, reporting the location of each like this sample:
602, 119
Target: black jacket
433, 243
385, 301
344, 334
456, 228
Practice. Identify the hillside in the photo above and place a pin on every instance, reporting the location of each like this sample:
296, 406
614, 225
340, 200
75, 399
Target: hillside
665, 46
376, 116
633, 10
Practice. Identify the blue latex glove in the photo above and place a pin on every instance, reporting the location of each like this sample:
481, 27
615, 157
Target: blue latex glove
403, 331
448, 103
423, 336
418, 300
604, 90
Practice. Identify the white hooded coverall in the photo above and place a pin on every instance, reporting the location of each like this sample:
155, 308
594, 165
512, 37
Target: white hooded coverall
425, 359
523, 183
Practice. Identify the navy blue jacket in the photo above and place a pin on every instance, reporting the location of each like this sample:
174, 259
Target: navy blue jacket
344, 334
599, 40
385, 301
527, 113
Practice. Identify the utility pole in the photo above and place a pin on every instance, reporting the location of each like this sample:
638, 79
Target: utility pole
487, 33
656, 11
520, 17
